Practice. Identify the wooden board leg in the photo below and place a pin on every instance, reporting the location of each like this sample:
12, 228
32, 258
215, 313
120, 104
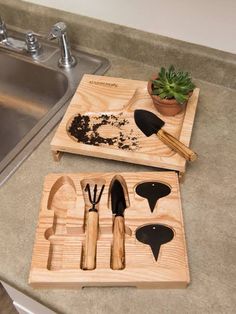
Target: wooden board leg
56, 155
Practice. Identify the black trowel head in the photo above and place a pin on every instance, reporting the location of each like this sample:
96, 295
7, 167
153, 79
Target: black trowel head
118, 202
147, 122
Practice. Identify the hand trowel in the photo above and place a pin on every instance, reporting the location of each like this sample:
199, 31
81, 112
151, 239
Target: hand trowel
152, 191
118, 206
154, 235
150, 124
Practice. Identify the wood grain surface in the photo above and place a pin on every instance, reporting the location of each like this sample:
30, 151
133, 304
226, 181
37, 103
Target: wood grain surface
140, 268
120, 97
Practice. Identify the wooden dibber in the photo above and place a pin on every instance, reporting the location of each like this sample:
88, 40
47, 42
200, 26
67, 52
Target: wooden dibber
90, 248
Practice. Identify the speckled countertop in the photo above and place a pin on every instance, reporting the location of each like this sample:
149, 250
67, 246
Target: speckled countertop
208, 197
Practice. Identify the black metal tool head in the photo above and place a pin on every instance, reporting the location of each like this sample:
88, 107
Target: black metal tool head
95, 199
118, 202
152, 191
147, 122
154, 235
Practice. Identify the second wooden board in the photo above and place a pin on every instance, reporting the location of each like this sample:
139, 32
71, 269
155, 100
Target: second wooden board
60, 252
100, 122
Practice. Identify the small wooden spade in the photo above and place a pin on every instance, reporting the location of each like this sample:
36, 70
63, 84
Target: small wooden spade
150, 124
154, 235
152, 191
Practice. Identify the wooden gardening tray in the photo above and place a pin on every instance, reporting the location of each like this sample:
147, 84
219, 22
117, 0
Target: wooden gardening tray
109, 103
58, 250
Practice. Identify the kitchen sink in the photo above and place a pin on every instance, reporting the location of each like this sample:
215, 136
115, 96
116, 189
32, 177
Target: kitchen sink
34, 94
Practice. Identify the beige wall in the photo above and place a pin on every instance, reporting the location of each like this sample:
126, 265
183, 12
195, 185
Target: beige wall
207, 22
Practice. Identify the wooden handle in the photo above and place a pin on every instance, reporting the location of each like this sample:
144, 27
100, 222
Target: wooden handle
118, 248
176, 145
91, 241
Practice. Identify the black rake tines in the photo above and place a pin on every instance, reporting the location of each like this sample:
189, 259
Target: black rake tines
94, 200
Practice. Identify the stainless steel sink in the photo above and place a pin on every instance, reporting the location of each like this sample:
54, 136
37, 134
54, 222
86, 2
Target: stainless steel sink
34, 94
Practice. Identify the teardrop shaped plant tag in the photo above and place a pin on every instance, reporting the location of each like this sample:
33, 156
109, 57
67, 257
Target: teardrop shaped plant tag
152, 191
154, 235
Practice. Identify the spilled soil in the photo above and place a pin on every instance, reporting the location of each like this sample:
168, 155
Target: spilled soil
85, 129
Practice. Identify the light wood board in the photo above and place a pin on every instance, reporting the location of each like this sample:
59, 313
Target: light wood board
114, 96
60, 235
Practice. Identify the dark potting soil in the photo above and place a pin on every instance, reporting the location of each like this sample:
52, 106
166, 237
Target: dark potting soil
86, 130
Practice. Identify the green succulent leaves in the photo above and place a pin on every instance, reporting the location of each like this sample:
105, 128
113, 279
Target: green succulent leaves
171, 84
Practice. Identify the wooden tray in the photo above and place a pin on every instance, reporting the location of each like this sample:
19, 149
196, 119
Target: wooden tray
60, 236
119, 97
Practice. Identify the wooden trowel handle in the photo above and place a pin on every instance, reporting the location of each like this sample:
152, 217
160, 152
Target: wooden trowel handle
91, 241
118, 248
176, 145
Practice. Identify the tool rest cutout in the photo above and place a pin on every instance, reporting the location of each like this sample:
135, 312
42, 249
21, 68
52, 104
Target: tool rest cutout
61, 200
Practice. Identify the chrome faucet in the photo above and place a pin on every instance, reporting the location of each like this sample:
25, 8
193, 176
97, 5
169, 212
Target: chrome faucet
30, 45
3, 30
59, 31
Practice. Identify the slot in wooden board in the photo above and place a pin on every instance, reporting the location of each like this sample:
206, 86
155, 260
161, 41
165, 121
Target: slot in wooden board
60, 235
119, 97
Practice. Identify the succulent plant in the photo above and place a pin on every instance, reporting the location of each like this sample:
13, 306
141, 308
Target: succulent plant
172, 84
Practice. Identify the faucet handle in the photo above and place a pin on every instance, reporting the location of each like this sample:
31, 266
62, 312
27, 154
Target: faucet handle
33, 46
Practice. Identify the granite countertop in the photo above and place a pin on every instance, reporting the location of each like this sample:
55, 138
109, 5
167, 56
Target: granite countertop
207, 195
208, 190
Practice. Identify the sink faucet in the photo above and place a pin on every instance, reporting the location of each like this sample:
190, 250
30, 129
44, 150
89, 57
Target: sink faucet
59, 31
30, 45
3, 30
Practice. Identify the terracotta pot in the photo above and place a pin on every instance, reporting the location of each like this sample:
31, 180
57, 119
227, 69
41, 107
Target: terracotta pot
167, 107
